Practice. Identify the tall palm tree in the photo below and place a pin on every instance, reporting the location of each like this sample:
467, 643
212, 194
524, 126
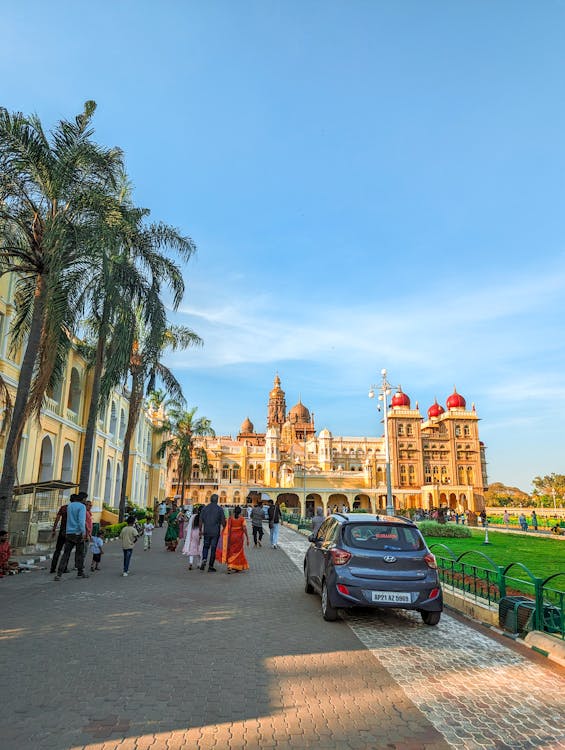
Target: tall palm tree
184, 428
126, 284
146, 368
52, 192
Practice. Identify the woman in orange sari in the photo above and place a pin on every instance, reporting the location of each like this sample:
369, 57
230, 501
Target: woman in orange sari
234, 533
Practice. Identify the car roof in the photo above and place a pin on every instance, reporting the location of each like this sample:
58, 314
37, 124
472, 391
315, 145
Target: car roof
372, 517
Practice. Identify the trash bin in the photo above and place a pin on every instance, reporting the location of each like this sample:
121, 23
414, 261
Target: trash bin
509, 616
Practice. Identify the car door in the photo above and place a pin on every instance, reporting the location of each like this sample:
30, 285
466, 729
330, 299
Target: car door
320, 550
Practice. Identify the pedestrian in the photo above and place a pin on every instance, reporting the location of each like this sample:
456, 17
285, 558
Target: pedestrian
274, 523
257, 516
5, 552
211, 522
96, 544
249, 511
147, 533
75, 537
128, 537
162, 512
456, 517
534, 520
483, 517
523, 522
61, 521
192, 547
181, 522
233, 553
318, 520
172, 533
506, 519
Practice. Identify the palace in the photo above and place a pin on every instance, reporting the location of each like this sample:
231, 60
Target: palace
436, 460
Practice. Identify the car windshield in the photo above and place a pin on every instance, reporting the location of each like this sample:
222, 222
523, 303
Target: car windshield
377, 536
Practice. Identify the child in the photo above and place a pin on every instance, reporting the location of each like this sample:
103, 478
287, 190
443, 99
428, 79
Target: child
5, 552
147, 533
96, 544
128, 537
193, 543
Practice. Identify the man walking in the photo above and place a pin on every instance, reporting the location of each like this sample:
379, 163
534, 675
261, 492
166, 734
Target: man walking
74, 537
274, 523
60, 518
212, 521
257, 516
162, 513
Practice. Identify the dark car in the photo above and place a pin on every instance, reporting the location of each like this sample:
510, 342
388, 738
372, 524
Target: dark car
363, 560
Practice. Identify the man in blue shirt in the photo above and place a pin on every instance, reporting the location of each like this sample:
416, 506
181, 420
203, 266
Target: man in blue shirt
75, 536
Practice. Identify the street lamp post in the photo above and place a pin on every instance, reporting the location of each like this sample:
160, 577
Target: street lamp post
384, 390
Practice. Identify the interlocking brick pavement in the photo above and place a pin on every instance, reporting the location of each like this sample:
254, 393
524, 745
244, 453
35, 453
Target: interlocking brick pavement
168, 658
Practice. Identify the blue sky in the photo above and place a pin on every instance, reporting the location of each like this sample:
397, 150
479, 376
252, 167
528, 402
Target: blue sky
370, 184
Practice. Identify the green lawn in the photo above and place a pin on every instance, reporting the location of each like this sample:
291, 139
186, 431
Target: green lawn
542, 556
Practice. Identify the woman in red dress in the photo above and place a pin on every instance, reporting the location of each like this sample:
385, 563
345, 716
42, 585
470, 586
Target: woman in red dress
235, 532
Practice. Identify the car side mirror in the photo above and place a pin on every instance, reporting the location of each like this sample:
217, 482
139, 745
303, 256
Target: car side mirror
312, 538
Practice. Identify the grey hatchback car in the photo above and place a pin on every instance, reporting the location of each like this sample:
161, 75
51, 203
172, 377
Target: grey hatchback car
364, 560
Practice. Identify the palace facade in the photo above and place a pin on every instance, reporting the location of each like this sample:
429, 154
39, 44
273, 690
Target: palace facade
51, 448
437, 460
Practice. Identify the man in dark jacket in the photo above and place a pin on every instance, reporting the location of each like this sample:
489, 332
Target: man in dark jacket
212, 521
274, 523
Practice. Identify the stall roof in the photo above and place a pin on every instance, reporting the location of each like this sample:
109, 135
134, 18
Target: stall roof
49, 485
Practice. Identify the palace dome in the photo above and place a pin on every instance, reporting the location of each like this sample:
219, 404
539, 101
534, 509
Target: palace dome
299, 413
247, 426
277, 390
325, 433
456, 400
400, 399
435, 410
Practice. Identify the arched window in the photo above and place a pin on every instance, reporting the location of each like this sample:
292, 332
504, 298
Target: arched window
409, 429
412, 475
98, 472
195, 471
470, 475
113, 418
401, 429
122, 432
457, 430
259, 474
225, 471
251, 473
46, 460
73, 401
403, 477
427, 474
235, 473
118, 485
108, 483
67, 465
461, 474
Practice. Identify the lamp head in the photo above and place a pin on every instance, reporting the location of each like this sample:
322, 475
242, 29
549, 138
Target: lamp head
371, 393
383, 372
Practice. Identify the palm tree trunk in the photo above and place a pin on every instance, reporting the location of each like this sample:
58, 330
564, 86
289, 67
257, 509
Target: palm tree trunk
135, 400
18, 414
86, 464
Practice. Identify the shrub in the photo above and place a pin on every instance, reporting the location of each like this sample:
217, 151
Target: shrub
113, 530
432, 528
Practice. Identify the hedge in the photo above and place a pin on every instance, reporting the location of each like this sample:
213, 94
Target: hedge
113, 530
432, 528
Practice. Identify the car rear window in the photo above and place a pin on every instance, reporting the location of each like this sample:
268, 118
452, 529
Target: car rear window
382, 537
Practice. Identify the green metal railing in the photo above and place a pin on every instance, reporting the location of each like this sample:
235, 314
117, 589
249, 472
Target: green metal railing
491, 582
297, 520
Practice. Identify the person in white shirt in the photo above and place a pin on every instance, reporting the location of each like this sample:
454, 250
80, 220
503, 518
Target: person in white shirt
147, 533
162, 513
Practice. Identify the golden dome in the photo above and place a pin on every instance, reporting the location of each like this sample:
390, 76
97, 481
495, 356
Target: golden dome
247, 426
277, 391
299, 413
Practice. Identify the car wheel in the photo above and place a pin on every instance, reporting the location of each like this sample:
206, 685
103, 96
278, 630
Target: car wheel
308, 588
329, 613
431, 618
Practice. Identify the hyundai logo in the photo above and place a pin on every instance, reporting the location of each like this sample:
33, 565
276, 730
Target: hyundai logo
389, 558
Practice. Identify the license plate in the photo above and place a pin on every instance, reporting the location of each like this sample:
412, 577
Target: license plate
391, 597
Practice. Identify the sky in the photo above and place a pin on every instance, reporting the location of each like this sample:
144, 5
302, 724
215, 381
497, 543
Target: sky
370, 184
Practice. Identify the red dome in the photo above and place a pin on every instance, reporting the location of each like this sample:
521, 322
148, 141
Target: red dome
435, 410
400, 399
456, 401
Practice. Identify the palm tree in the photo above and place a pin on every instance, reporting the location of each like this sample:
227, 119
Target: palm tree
52, 193
184, 428
146, 368
126, 284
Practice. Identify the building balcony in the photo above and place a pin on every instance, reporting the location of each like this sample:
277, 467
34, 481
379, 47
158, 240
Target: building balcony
72, 416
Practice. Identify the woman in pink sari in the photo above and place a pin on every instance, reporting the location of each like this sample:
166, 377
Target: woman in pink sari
192, 547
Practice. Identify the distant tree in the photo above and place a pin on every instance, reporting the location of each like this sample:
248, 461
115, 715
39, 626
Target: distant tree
548, 489
499, 494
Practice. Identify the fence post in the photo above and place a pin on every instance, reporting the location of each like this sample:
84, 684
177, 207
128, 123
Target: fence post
539, 603
501, 581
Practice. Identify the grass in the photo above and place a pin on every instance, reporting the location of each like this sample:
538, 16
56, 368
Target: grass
542, 557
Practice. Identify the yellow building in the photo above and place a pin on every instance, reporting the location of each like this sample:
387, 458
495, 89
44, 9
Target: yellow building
436, 461
51, 449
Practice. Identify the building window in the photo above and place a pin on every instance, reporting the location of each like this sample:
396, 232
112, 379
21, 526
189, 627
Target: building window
409, 430
466, 430
457, 430
411, 475
403, 479
235, 473
401, 429
225, 471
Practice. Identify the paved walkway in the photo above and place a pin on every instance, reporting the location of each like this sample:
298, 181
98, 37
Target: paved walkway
168, 658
